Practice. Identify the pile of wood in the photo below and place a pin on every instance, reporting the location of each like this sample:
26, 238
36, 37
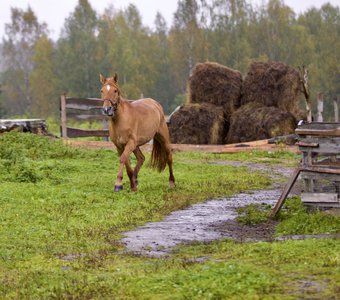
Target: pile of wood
37, 126
262, 106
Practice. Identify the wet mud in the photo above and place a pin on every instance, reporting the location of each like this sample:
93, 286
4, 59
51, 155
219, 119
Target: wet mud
215, 219
211, 220
204, 222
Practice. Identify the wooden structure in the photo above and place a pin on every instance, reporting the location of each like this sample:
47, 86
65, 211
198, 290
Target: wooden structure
319, 144
81, 109
37, 126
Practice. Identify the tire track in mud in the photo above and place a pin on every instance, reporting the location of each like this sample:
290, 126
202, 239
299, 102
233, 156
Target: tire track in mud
208, 221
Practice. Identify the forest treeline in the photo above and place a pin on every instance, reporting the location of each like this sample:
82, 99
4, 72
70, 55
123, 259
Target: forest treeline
156, 62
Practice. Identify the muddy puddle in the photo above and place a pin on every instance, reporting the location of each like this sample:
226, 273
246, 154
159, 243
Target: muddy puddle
203, 222
214, 219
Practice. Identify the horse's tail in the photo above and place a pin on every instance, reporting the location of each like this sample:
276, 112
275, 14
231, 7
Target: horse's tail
159, 154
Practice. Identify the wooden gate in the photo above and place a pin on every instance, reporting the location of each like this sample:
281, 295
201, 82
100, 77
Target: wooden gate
82, 109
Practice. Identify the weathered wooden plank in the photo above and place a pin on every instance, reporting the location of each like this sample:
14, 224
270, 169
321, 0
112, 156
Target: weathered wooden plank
320, 197
307, 144
26, 125
75, 132
85, 117
318, 132
22, 122
285, 192
326, 145
323, 204
320, 176
83, 103
321, 170
319, 125
80, 106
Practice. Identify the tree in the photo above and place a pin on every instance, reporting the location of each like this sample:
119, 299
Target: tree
323, 29
229, 38
77, 52
162, 89
129, 48
45, 85
187, 41
18, 47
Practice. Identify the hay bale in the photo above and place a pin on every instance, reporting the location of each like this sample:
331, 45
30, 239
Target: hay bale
273, 84
216, 84
197, 124
253, 121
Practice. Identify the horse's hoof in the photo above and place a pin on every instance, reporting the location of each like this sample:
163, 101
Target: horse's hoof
118, 188
172, 185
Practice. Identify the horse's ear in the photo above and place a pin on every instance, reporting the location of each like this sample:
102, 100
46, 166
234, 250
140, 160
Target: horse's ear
115, 77
102, 79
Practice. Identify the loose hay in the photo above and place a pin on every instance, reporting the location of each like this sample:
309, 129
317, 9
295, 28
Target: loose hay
216, 84
254, 121
197, 124
273, 84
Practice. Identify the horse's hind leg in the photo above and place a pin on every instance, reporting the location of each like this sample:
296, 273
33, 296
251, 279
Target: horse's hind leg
171, 173
165, 140
130, 173
140, 160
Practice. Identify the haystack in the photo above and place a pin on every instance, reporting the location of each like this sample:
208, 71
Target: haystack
253, 121
272, 84
216, 84
197, 124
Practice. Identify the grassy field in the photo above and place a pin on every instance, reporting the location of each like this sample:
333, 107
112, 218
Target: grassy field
60, 225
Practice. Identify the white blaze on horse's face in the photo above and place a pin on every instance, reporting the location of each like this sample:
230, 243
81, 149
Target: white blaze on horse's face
110, 97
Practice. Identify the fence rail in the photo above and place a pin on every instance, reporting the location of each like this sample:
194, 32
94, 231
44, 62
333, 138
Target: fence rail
74, 108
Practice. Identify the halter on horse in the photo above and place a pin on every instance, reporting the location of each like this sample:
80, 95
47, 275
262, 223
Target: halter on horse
133, 124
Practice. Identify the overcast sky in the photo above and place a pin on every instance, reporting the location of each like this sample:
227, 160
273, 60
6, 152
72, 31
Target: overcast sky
54, 12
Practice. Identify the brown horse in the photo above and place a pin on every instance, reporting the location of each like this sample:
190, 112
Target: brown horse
131, 125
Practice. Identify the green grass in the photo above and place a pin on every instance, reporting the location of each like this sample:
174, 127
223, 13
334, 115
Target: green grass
60, 225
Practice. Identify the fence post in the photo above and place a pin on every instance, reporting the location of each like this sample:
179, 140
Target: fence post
63, 129
320, 107
336, 109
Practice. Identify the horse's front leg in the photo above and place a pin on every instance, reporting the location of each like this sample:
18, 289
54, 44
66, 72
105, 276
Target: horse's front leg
123, 160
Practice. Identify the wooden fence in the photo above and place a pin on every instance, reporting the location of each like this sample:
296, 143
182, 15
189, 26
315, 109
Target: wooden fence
81, 109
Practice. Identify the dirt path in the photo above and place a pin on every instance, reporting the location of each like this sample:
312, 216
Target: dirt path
229, 148
208, 221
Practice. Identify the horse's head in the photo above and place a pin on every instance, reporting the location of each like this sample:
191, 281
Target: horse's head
110, 94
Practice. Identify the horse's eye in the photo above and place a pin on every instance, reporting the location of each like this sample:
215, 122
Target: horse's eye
101, 91
115, 91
